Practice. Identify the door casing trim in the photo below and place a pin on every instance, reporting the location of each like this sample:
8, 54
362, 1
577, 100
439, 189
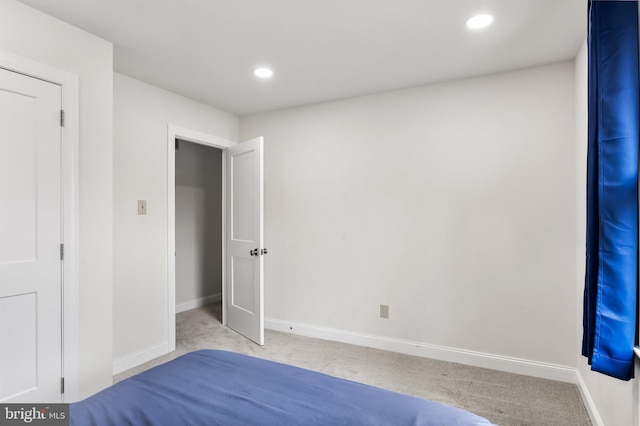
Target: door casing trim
176, 132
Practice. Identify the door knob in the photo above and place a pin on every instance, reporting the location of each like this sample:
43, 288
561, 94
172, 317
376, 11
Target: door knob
254, 252
264, 251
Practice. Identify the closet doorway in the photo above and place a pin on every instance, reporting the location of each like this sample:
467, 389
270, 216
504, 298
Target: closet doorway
232, 252
198, 221
186, 288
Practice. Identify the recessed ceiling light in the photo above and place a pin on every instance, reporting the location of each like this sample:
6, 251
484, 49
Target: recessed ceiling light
263, 73
479, 21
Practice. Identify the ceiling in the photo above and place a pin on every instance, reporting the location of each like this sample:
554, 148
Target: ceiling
319, 50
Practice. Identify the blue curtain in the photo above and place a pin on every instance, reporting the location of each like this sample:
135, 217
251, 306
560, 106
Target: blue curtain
612, 189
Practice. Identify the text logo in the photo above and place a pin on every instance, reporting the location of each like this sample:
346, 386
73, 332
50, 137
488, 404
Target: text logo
34, 414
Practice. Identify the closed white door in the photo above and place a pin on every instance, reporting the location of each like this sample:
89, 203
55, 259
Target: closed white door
245, 240
30, 237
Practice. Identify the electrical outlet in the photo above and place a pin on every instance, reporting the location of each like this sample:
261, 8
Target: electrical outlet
142, 206
384, 311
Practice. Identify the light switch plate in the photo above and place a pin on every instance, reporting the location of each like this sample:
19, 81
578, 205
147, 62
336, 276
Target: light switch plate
384, 311
142, 206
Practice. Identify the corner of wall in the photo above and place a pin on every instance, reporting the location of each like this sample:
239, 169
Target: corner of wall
589, 404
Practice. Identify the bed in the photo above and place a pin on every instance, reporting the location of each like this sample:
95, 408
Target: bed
211, 387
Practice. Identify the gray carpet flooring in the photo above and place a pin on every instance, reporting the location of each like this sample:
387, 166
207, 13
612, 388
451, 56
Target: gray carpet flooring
504, 398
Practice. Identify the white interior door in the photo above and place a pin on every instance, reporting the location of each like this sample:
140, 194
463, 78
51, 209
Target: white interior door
30, 236
245, 240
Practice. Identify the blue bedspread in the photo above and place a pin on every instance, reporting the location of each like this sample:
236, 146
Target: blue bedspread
211, 387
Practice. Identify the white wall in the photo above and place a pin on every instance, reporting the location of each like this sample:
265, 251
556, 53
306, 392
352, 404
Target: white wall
452, 203
198, 224
141, 115
610, 401
34, 35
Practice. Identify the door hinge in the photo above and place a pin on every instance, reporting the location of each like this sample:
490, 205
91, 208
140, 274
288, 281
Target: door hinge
62, 117
61, 251
61, 384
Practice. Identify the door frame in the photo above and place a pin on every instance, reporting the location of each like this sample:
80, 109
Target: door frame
69, 163
176, 132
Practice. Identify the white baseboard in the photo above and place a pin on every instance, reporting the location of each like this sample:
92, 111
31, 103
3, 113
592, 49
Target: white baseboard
589, 404
133, 360
197, 303
443, 353
130, 361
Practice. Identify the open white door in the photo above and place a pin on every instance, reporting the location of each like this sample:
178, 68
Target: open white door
245, 240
